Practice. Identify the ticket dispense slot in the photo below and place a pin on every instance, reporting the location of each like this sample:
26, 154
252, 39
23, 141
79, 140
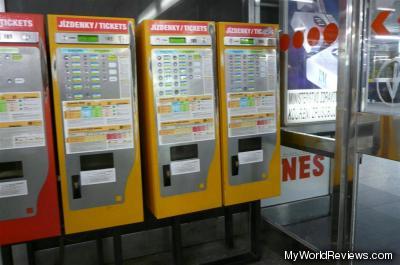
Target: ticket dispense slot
248, 82
89, 163
184, 152
28, 182
245, 145
11, 170
179, 153
94, 80
179, 110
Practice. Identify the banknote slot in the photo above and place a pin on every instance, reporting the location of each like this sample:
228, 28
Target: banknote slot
167, 175
76, 187
235, 165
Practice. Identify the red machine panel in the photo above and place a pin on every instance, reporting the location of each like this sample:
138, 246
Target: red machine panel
28, 185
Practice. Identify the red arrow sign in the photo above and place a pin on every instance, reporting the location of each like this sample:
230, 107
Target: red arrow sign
378, 24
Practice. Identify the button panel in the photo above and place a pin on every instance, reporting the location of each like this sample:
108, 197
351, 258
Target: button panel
89, 75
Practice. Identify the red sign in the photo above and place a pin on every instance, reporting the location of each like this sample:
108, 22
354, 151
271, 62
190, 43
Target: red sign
249, 31
179, 27
19, 22
378, 24
304, 163
97, 25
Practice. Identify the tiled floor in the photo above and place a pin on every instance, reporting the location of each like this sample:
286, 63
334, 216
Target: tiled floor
378, 207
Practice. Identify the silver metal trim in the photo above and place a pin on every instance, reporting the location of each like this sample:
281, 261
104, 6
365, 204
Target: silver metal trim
308, 142
350, 47
265, 42
19, 37
160, 40
113, 39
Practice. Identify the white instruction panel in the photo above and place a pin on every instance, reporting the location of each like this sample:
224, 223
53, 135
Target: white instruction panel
183, 81
13, 189
98, 125
185, 167
99, 176
21, 120
251, 157
251, 80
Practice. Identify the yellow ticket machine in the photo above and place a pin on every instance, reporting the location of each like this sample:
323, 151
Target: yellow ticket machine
179, 116
94, 90
249, 113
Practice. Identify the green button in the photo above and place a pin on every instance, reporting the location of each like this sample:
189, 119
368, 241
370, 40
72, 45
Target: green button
252, 102
185, 106
97, 111
3, 106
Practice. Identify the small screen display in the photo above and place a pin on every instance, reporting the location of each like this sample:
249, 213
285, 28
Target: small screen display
176, 40
247, 41
88, 38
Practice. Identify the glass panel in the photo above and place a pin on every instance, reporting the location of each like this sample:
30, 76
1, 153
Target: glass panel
309, 77
381, 76
377, 208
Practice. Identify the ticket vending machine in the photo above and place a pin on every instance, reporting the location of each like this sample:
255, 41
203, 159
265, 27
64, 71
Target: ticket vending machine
94, 90
28, 184
249, 113
178, 109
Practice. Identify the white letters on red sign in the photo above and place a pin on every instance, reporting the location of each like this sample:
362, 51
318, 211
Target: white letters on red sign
178, 28
9, 23
91, 25
250, 31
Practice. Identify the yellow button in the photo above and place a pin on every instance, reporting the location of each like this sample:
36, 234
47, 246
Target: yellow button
118, 198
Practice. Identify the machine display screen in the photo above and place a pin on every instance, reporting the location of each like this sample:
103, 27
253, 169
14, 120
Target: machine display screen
177, 40
88, 38
247, 41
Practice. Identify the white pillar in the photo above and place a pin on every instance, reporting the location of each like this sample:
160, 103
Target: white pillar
2, 9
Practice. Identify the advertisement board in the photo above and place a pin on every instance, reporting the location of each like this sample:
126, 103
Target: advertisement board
312, 58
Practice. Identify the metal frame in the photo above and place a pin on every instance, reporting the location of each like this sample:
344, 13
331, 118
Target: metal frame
346, 166
360, 133
254, 254
317, 137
